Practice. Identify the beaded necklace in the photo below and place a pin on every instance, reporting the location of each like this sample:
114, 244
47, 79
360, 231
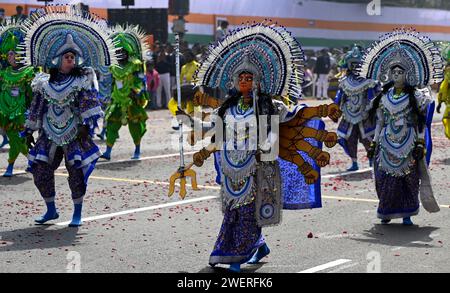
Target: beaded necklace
242, 107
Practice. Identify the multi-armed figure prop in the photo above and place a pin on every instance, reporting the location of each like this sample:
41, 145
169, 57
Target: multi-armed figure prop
276, 60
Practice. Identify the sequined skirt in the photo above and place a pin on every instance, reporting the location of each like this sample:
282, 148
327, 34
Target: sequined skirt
398, 195
239, 237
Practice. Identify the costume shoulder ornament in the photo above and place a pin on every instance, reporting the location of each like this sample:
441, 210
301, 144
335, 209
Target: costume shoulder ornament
271, 50
419, 56
353, 86
56, 28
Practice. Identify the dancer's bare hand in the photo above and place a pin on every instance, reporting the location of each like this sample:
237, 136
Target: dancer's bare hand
30, 140
419, 152
83, 133
371, 151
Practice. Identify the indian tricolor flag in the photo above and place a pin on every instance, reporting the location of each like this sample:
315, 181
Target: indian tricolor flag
316, 23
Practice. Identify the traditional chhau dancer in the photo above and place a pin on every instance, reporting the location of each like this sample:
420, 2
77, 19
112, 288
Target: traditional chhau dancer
407, 64
354, 96
129, 96
68, 44
256, 64
444, 94
15, 94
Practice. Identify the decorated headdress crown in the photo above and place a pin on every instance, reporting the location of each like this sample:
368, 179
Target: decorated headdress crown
352, 56
11, 36
246, 66
269, 51
55, 30
132, 39
417, 54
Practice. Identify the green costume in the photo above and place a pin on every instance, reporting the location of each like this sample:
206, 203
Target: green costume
15, 97
129, 96
15, 93
128, 101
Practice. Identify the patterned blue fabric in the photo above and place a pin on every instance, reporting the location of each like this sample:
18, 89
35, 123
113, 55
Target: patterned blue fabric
296, 193
239, 237
338, 98
399, 196
217, 167
343, 143
428, 139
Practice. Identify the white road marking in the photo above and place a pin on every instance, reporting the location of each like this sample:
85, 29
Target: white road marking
141, 159
326, 266
101, 163
346, 173
188, 185
398, 248
330, 236
344, 268
170, 204
351, 199
327, 176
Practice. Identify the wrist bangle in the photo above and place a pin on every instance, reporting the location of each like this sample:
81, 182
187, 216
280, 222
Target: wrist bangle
314, 153
323, 110
321, 135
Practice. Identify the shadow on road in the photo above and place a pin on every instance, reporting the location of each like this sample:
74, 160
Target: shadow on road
220, 270
15, 180
446, 162
38, 237
399, 235
116, 166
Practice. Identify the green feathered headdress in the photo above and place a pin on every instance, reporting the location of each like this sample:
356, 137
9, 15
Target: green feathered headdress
132, 39
11, 36
444, 47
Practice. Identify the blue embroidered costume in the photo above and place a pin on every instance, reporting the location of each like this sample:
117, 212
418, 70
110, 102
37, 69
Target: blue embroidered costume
354, 97
254, 132
65, 106
406, 63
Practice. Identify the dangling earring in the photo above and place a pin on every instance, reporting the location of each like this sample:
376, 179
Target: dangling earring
55, 61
